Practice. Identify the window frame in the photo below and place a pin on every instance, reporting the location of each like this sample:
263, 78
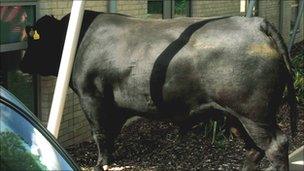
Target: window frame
168, 8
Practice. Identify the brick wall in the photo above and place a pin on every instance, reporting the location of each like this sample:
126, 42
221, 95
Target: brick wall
136, 8
269, 9
210, 8
59, 8
286, 23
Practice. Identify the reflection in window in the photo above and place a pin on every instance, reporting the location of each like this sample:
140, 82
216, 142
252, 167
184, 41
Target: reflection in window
13, 20
23, 147
14, 148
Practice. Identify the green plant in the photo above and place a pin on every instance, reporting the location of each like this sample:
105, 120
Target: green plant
298, 63
180, 6
215, 130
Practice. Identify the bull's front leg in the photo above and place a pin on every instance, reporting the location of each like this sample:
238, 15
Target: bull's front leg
106, 122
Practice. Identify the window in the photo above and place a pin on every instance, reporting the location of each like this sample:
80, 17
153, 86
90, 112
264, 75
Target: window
14, 16
181, 8
155, 9
169, 8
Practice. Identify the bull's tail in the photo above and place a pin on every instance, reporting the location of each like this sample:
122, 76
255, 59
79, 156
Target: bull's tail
269, 30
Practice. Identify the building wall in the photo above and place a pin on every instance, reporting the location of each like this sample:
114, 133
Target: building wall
210, 8
136, 8
59, 8
286, 32
74, 127
270, 10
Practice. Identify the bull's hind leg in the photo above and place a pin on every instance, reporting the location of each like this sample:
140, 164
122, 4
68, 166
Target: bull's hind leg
277, 152
105, 120
253, 153
261, 138
271, 141
253, 157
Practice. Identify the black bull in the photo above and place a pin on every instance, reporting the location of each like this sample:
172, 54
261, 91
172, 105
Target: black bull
181, 70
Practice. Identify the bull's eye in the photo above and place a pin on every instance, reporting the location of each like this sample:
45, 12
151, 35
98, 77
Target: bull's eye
31, 33
36, 36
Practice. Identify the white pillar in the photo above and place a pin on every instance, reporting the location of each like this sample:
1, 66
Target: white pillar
66, 65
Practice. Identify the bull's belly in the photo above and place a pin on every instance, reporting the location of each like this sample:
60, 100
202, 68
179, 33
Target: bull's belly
134, 100
133, 93
137, 99
139, 103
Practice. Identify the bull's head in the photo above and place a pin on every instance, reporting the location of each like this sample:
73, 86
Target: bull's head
44, 49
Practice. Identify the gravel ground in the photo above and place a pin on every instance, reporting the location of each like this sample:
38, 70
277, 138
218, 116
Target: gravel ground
153, 145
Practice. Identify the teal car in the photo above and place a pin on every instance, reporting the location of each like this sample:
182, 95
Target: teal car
24, 143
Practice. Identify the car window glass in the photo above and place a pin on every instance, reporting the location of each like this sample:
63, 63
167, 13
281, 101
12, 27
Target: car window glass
23, 147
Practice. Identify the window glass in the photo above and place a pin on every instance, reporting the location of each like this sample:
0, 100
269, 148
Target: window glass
13, 20
23, 147
20, 84
155, 9
181, 8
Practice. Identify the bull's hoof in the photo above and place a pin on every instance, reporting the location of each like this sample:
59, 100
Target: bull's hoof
99, 168
271, 168
105, 167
